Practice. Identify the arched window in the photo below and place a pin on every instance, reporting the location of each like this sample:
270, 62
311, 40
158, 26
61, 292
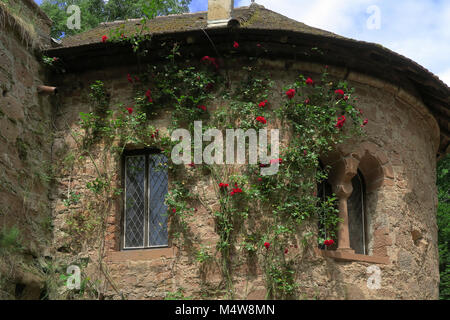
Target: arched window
355, 179
356, 215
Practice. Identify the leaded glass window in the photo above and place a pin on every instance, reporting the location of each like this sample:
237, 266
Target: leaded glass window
146, 185
356, 215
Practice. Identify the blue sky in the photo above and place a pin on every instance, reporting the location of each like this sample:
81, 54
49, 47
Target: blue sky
417, 29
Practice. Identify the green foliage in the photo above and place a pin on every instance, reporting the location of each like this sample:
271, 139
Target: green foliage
74, 198
443, 221
48, 60
177, 295
203, 255
92, 12
10, 240
281, 283
99, 95
178, 208
129, 9
98, 185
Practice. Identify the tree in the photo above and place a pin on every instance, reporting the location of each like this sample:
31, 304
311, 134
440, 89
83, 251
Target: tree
92, 12
128, 9
443, 221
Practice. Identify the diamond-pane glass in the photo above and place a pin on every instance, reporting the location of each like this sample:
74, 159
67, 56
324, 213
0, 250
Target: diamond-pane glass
158, 182
134, 201
356, 216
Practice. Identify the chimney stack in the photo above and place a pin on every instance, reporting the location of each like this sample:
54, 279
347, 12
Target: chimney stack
219, 12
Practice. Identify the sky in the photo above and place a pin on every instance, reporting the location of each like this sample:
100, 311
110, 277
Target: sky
417, 29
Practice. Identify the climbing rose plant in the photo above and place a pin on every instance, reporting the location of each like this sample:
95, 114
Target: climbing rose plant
316, 115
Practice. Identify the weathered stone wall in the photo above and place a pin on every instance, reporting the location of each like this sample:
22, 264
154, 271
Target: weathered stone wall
30, 22
25, 165
397, 158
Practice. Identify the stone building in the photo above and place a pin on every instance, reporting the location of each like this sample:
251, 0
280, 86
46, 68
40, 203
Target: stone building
385, 182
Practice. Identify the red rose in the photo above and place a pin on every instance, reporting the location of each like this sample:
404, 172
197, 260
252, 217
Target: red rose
286, 251
210, 60
339, 92
259, 179
209, 86
261, 120
328, 242
130, 80
307, 101
202, 108
262, 104
290, 93
267, 245
236, 45
130, 110
192, 165
174, 210
273, 161
309, 82
340, 122
345, 98
104, 38
148, 94
223, 185
214, 62
236, 190
366, 121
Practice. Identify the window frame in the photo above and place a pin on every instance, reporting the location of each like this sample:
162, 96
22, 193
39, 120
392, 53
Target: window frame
147, 152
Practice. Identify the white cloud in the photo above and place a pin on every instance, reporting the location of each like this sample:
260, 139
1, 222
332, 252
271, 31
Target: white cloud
330, 15
419, 30
445, 76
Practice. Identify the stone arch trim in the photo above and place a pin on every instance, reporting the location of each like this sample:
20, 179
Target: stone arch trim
374, 166
367, 157
345, 162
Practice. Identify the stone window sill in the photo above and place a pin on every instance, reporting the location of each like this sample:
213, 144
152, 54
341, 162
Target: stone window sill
351, 256
140, 254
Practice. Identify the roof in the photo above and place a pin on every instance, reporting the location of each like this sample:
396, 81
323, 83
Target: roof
254, 16
288, 38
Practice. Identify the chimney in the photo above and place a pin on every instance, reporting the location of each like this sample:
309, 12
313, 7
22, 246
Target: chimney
219, 12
